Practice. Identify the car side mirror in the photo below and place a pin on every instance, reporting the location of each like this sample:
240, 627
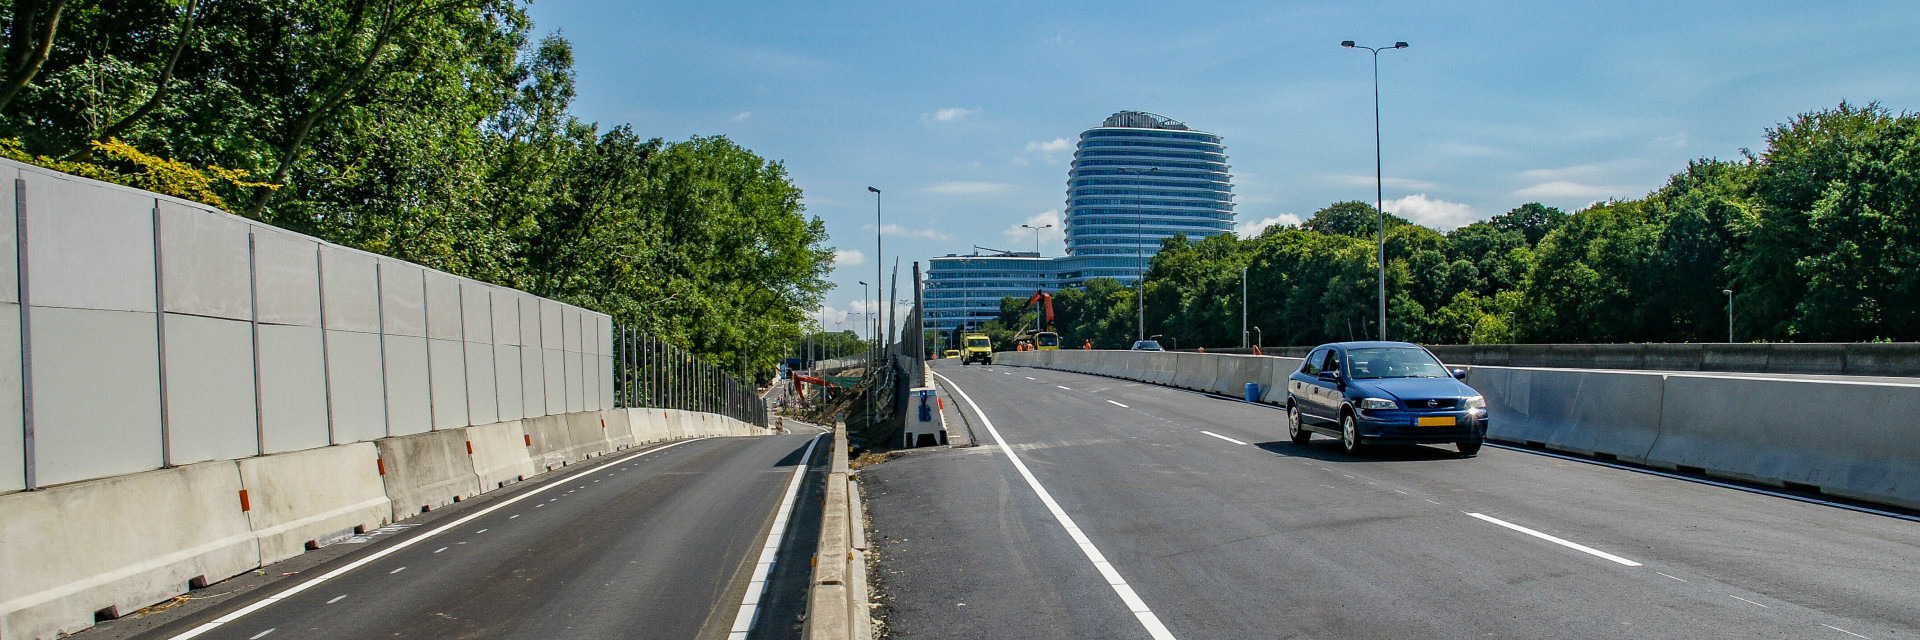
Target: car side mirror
1460, 374
1330, 376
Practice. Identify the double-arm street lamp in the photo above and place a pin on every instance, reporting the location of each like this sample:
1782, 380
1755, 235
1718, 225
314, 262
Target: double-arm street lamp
1139, 248
1039, 282
1379, 199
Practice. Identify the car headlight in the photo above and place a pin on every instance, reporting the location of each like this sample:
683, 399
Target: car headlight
1377, 403
1477, 402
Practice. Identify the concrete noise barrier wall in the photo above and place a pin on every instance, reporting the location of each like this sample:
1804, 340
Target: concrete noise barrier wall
1584, 412
307, 499
426, 471
500, 455
116, 545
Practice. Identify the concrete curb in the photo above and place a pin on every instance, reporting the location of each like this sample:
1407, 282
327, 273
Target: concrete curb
837, 599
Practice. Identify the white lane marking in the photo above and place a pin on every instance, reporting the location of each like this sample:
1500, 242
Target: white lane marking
263, 634
296, 589
1119, 405
757, 588
1119, 584
396, 570
1674, 577
337, 598
1063, 388
513, 516
1216, 435
1562, 542
1748, 601
1028, 377
537, 506
439, 549
481, 531
1430, 500
1856, 635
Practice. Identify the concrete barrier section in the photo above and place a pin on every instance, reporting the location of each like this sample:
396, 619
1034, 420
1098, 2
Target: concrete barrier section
109, 547
425, 471
550, 446
500, 455
619, 430
1584, 412
310, 498
1849, 439
588, 431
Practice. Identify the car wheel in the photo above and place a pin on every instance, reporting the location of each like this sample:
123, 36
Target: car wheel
1469, 448
1299, 434
1350, 435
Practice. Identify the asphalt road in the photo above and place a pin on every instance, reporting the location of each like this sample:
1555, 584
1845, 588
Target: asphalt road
656, 542
1217, 527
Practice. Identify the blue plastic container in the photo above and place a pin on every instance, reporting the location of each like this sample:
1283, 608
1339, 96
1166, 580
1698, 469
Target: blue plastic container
1253, 392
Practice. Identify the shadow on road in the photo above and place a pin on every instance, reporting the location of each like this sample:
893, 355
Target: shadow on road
1328, 450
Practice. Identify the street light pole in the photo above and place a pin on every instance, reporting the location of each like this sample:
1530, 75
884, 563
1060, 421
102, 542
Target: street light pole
1040, 284
1140, 250
1729, 293
1379, 189
1243, 307
879, 254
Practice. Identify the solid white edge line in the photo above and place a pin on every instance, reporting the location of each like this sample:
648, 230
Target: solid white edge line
1559, 541
750, 601
1100, 563
296, 589
1216, 435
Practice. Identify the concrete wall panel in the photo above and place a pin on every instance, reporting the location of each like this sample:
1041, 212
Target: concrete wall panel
482, 405
427, 471
124, 542
13, 452
313, 496
444, 316
89, 246
550, 323
9, 242
500, 455
576, 382
529, 309
511, 391
351, 289
506, 316
293, 388
476, 312
286, 272
533, 382
209, 365
551, 445
355, 387
96, 394
575, 329
449, 383
588, 433
403, 301
1584, 412
409, 405
203, 262
555, 361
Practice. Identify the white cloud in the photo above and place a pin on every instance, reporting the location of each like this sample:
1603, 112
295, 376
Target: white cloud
849, 258
1397, 183
1048, 151
1567, 189
1023, 237
1564, 173
968, 188
1431, 212
897, 230
948, 114
742, 116
1251, 229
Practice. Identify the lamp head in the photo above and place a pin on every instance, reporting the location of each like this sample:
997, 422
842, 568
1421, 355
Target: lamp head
1399, 45
1346, 43
873, 189
1727, 291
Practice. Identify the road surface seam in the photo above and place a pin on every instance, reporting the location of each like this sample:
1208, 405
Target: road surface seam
1114, 580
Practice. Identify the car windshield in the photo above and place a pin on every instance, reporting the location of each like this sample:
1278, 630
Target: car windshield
1147, 345
1395, 362
979, 342
1048, 340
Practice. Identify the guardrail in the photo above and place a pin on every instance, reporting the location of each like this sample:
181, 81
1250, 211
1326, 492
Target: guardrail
837, 598
1848, 438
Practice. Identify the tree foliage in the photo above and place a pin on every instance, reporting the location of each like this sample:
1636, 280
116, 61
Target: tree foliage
1816, 237
435, 131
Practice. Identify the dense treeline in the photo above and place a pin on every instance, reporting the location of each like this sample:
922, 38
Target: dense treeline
1818, 238
435, 131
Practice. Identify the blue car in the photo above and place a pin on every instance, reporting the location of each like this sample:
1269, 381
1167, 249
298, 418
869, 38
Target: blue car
1383, 392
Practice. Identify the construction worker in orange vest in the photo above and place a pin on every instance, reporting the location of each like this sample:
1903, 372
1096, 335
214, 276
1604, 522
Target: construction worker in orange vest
1088, 345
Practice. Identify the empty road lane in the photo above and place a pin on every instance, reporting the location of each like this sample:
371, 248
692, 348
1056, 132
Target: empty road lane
1218, 527
657, 542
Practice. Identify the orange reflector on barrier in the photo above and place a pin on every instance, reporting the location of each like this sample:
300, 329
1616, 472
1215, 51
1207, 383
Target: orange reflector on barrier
383, 465
245, 505
469, 447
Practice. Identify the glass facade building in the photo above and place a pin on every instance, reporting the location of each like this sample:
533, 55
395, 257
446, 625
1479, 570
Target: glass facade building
1137, 179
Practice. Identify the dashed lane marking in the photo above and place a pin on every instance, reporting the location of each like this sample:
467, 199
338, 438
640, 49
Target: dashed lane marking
1119, 584
1559, 541
1119, 405
337, 598
1856, 635
1063, 388
1216, 435
1748, 601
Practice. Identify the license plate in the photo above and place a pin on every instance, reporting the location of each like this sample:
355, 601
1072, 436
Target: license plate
1435, 421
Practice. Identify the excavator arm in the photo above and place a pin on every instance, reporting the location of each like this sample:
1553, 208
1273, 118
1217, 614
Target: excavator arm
1046, 301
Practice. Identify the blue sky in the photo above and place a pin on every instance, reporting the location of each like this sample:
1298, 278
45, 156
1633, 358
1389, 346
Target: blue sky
965, 113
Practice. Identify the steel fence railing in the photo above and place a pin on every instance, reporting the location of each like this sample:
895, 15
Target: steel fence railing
652, 373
